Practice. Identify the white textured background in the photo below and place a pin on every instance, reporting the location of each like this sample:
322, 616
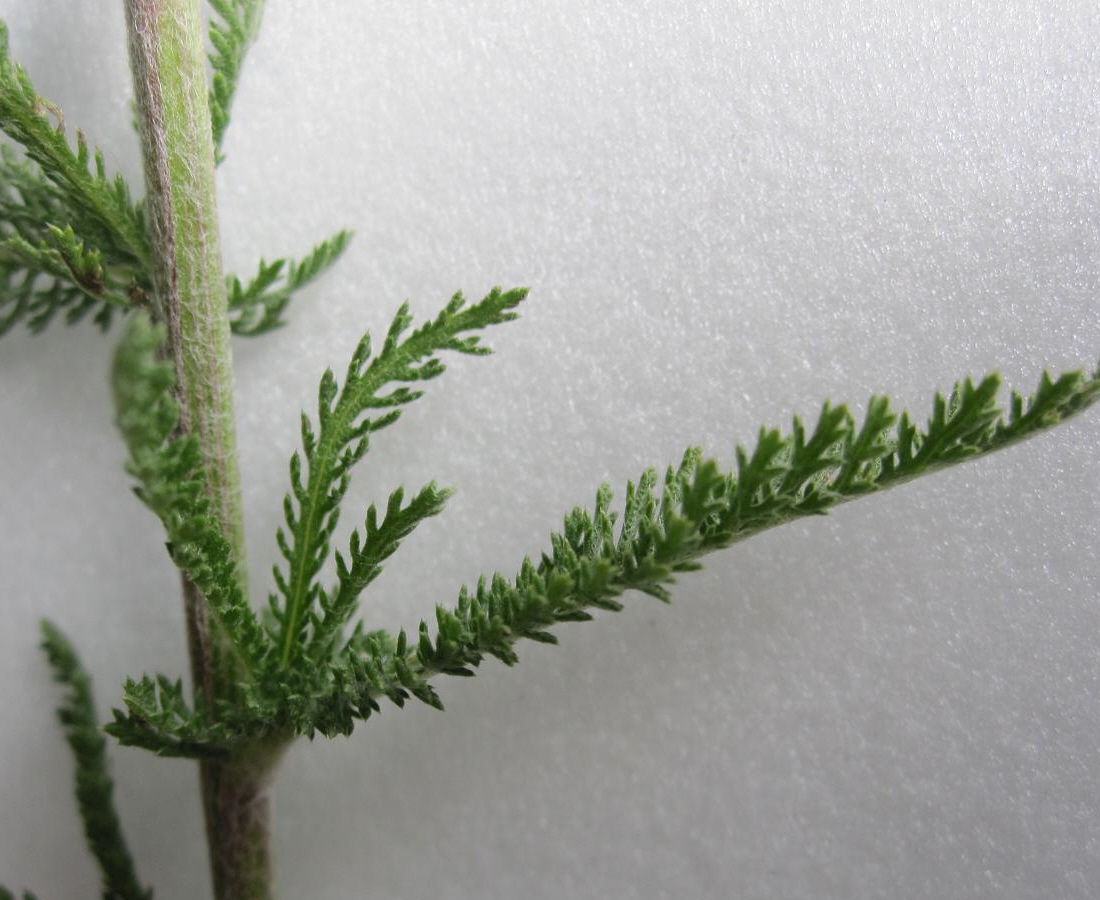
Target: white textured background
726, 213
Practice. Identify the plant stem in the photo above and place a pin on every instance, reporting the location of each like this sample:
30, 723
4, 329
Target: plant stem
166, 54
168, 64
237, 813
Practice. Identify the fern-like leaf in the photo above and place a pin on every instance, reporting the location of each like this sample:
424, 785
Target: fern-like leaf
592, 562
257, 308
347, 418
109, 220
38, 282
233, 27
595, 559
45, 269
157, 718
70, 239
366, 554
171, 482
94, 787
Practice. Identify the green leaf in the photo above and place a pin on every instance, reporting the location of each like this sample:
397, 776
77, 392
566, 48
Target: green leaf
94, 787
107, 218
701, 509
666, 527
172, 483
347, 418
233, 27
70, 238
158, 719
47, 269
257, 308
366, 554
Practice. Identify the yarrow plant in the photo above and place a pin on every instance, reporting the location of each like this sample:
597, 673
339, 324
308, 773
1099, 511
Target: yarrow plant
75, 244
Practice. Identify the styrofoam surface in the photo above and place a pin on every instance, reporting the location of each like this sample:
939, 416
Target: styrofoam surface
726, 213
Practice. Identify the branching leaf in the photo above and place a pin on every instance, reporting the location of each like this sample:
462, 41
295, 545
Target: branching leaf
701, 509
157, 718
347, 418
590, 565
366, 553
257, 308
70, 239
108, 218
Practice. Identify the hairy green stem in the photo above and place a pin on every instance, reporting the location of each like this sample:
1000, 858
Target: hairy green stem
167, 59
235, 800
166, 52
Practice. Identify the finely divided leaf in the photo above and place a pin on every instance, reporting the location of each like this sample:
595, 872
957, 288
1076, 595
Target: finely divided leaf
94, 787
592, 562
233, 27
257, 308
366, 553
157, 718
171, 482
104, 204
71, 240
367, 402
666, 526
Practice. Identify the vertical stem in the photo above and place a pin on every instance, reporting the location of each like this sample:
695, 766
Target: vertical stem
167, 59
237, 822
166, 53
